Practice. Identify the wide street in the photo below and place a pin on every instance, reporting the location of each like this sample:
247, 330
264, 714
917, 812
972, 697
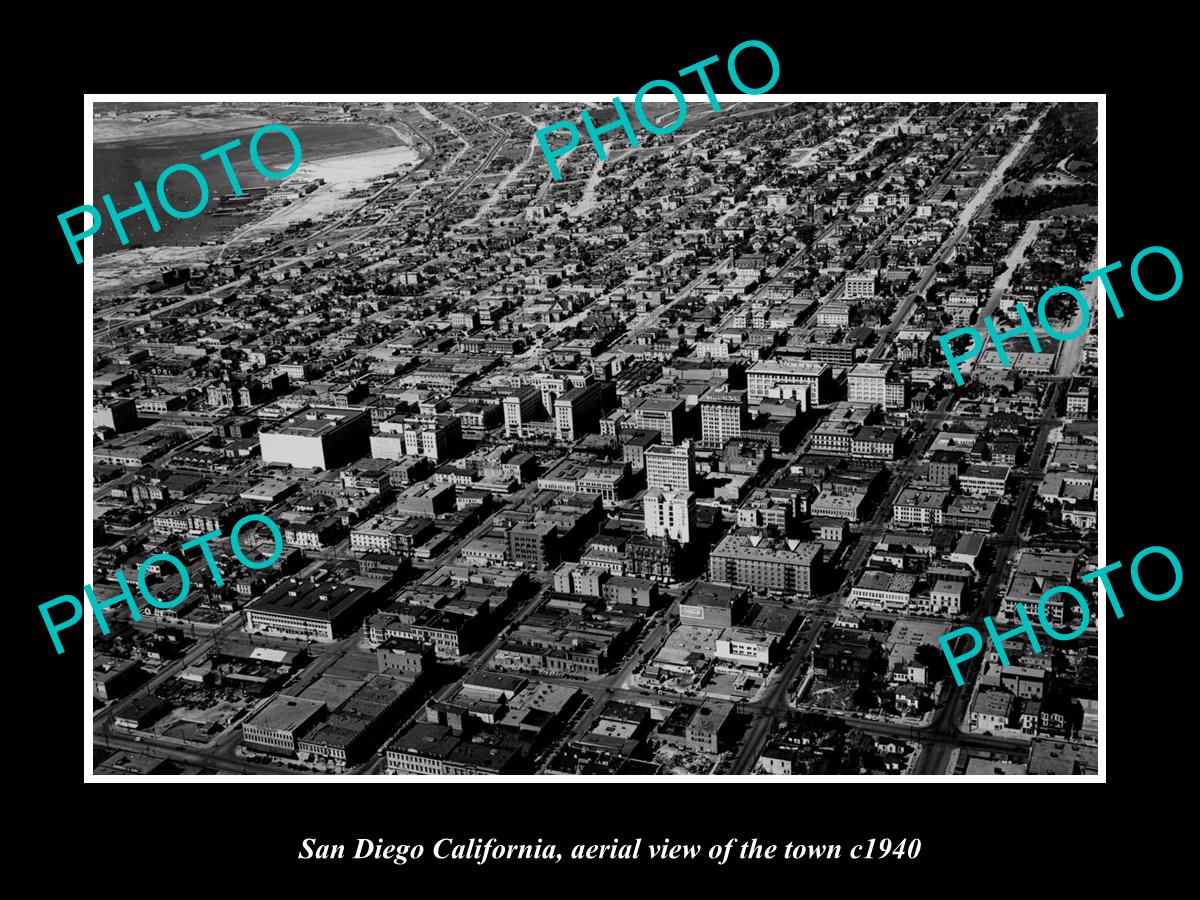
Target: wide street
942, 735
581, 271
949, 716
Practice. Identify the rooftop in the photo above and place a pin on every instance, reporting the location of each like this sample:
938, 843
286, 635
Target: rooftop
285, 713
753, 546
316, 421
308, 598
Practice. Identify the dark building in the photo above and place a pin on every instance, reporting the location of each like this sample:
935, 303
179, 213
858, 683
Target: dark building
653, 557
534, 545
403, 656
845, 653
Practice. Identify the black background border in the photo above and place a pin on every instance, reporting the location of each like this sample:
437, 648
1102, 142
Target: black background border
1149, 181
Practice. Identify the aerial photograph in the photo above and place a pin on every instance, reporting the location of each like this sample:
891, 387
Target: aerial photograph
655, 469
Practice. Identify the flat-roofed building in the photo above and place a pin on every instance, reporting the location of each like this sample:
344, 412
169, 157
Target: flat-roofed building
539, 708
116, 414
835, 314
426, 748
670, 468
625, 591
922, 509
534, 545
722, 414
747, 647
968, 550
634, 444
763, 564
606, 479
838, 505
388, 445
666, 415
971, 513
874, 442
669, 514
1053, 757
319, 437
450, 633
944, 467
577, 412
436, 438
113, 678
390, 534
984, 481
315, 608
426, 498
992, 711
350, 732
404, 656
519, 408
279, 724
777, 376
945, 599
834, 436
711, 727
1026, 682
873, 383
861, 285
566, 643
883, 590
576, 578
713, 606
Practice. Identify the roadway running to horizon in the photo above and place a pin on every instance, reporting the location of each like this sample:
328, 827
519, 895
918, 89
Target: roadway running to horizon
774, 700
943, 733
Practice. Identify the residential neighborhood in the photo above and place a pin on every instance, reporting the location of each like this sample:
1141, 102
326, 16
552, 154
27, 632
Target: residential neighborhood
656, 469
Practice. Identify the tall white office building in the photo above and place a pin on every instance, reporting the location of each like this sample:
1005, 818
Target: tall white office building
670, 514
670, 468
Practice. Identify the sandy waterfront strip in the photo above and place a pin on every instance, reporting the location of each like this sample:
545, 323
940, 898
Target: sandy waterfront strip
342, 175
124, 269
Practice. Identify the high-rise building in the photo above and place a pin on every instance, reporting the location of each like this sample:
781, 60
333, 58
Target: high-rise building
666, 415
634, 444
764, 564
874, 383
722, 414
117, 414
557, 383
670, 514
323, 437
437, 438
670, 468
778, 377
861, 285
534, 545
519, 407
577, 412
576, 578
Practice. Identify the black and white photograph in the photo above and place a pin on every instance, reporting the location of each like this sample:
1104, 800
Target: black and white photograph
625, 456
678, 436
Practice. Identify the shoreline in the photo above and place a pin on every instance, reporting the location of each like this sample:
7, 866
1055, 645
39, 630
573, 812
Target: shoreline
121, 270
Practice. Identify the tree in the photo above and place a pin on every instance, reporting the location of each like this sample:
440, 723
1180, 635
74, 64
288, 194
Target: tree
864, 696
934, 660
